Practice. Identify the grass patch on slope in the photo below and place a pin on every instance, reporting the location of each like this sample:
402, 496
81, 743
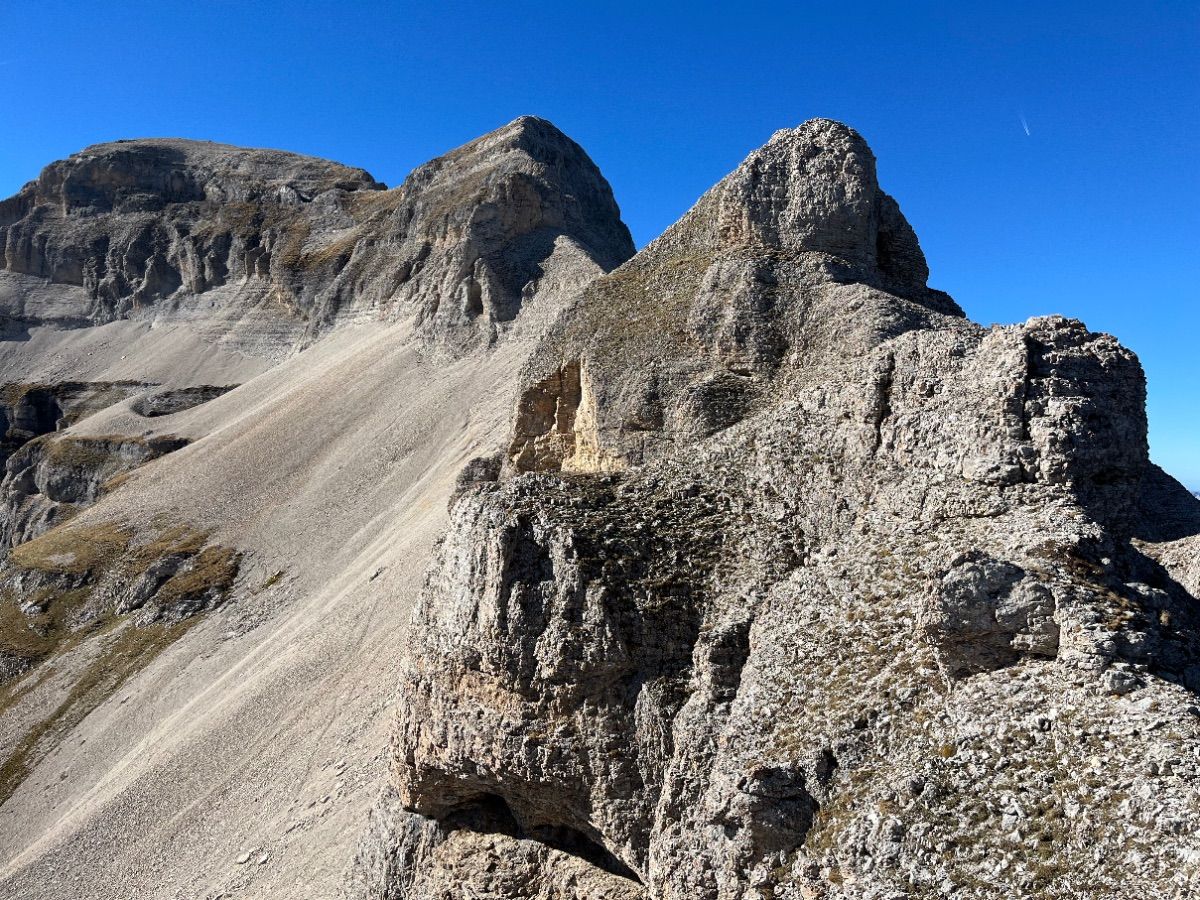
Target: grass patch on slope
73, 550
79, 569
128, 650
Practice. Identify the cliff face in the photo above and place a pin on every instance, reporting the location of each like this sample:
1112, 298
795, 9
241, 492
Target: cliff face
792, 582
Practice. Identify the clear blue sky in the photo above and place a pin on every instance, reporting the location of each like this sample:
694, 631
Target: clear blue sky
1095, 213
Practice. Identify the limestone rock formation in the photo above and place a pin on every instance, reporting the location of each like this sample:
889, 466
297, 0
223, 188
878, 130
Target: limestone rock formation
794, 583
795, 256
762, 571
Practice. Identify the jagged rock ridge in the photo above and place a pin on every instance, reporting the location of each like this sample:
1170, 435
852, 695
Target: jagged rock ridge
794, 257
793, 583
785, 580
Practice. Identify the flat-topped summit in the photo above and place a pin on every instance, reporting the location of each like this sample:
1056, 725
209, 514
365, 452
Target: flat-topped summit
148, 173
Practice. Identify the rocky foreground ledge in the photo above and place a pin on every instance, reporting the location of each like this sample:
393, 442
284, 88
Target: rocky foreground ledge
794, 583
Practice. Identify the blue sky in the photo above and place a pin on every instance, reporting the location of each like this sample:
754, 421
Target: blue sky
1094, 213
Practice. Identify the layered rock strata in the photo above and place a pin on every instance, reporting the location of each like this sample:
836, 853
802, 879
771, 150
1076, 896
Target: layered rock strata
266, 250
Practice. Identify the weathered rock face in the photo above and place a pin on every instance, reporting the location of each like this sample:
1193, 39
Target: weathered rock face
49, 479
795, 583
267, 250
135, 222
285, 246
28, 411
794, 258
153, 404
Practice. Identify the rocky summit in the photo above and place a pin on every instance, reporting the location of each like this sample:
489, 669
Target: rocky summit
429, 543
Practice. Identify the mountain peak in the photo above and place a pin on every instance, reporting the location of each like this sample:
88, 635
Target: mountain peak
527, 176
814, 189
535, 127
794, 260
819, 128
143, 227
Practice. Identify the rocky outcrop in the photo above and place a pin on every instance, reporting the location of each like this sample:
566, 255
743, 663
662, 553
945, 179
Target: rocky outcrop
168, 402
48, 477
795, 257
796, 584
457, 858
130, 594
78, 575
284, 247
28, 411
51, 478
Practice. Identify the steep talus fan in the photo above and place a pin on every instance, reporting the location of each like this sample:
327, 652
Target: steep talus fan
236, 386
262, 252
794, 583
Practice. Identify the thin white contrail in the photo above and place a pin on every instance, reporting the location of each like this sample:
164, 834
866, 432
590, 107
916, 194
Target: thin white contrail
1025, 125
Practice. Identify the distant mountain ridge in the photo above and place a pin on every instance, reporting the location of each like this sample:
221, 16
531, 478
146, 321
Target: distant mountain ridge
273, 249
